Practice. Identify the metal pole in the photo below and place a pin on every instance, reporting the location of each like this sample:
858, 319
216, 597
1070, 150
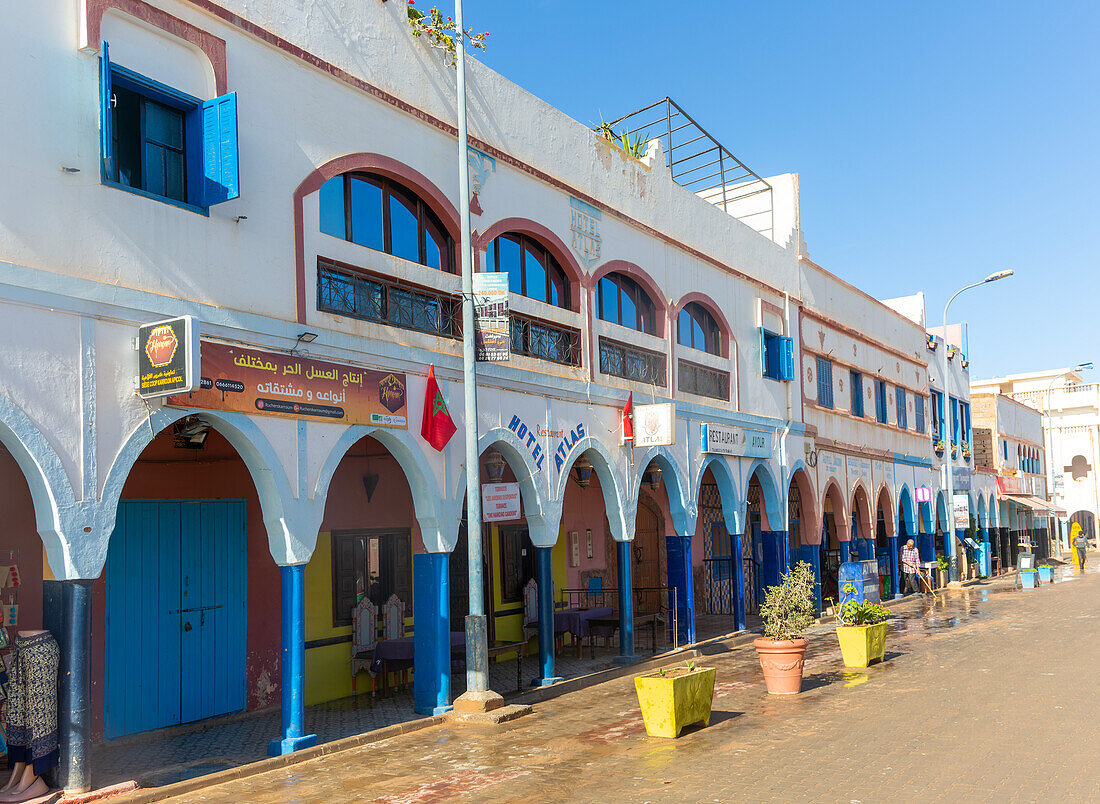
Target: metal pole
1050, 460
477, 660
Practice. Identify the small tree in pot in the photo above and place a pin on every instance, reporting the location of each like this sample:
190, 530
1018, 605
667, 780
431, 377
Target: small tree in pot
788, 611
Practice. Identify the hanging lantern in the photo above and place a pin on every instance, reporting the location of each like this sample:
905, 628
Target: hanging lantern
652, 476
582, 471
494, 466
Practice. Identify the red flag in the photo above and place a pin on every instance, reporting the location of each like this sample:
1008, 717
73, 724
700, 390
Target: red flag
628, 419
437, 427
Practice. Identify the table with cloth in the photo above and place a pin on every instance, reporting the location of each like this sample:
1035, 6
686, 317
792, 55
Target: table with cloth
575, 622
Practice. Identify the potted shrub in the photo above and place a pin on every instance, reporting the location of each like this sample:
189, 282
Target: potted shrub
861, 630
944, 568
787, 611
674, 698
1046, 573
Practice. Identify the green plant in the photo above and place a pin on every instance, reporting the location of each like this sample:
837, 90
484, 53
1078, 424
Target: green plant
788, 609
943, 564
855, 613
691, 666
441, 32
635, 146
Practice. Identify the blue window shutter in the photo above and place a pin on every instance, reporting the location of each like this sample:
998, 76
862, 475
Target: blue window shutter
763, 352
786, 359
220, 164
106, 138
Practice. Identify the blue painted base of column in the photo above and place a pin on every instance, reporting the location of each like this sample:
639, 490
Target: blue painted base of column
680, 576
545, 580
626, 604
432, 635
624, 659
292, 663
288, 745
67, 614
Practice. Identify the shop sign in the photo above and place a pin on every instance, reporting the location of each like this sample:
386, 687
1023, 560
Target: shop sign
491, 339
253, 381
1010, 485
653, 425
962, 511
567, 439
168, 357
499, 502
727, 439
924, 494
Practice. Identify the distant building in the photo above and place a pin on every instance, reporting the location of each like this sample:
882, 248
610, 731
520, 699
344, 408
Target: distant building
1071, 435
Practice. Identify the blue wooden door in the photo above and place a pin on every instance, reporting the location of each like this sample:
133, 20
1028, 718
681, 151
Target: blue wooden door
175, 614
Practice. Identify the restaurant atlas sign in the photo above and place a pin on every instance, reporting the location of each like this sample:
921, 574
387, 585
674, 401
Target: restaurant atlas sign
728, 439
274, 384
167, 357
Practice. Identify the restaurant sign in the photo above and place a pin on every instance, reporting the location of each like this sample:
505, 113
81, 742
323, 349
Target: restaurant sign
654, 425
499, 502
273, 384
168, 357
962, 511
727, 439
492, 343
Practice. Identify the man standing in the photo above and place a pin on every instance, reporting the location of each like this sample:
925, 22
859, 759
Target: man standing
910, 566
1080, 545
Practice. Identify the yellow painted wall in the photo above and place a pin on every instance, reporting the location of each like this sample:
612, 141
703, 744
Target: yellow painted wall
509, 626
328, 674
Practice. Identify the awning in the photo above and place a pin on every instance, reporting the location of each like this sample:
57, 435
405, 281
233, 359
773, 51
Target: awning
1041, 507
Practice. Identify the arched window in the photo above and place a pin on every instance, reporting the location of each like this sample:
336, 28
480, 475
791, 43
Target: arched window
532, 270
377, 212
620, 300
697, 329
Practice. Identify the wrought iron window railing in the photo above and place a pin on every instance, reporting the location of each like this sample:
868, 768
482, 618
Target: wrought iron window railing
536, 338
372, 298
703, 381
632, 363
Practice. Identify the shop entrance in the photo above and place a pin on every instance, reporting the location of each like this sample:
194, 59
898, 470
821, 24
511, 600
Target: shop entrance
175, 614
647, 557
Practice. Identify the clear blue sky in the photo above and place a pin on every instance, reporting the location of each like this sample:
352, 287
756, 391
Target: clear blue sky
936, 141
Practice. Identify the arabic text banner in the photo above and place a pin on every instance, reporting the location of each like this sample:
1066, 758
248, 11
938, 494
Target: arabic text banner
253, 381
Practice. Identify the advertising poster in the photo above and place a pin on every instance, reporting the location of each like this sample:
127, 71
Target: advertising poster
252, 381
499, 502
491, 335
167, 357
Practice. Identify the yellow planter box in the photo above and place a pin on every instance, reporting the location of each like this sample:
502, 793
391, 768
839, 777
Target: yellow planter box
862, 645
679, 698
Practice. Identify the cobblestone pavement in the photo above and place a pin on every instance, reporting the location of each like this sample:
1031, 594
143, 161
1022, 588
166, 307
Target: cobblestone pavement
164, 757
987, 694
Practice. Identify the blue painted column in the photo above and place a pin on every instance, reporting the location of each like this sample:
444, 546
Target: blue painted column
986, 561
292, 664
738, 581
626, 605
680, 578
67, 615
926, 546
892, 541
432, 634
959, 535
544, 578
811, 554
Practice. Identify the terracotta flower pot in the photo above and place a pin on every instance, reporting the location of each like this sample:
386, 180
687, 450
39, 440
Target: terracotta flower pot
782, 664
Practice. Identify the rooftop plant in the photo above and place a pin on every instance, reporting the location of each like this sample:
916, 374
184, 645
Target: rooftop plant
440, 33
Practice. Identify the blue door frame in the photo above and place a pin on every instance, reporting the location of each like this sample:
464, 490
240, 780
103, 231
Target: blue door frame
175, 611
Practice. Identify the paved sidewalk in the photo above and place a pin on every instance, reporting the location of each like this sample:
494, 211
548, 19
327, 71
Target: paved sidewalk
975, 701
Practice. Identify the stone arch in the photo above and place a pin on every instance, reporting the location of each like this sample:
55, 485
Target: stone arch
729, 343
611, 485
886, 503
682, 510
981, 513
861, 507
639, 275
773, 496
561, 252
732, 507
291, 521
51, 492
428, 191
543, 531
810, 524
907, 511
942, 520
835, 493
402, 445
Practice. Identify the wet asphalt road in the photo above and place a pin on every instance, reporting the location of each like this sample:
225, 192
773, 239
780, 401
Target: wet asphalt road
987, 694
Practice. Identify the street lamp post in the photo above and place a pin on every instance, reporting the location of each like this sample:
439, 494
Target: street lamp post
953, 571
1050, 437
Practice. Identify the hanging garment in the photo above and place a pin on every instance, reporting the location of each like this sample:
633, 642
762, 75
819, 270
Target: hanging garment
31, 726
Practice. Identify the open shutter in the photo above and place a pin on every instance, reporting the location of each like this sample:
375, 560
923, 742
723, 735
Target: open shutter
220, 165
786, 359
763, 352
106, 136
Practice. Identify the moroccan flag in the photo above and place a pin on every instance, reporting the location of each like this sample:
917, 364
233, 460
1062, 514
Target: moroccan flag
437, 427
628, 419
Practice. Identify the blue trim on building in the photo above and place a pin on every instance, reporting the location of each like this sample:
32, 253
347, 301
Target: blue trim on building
544, 578
293, 664
432, 635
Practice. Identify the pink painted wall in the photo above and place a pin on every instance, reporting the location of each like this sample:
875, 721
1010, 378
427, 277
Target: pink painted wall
21, 534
